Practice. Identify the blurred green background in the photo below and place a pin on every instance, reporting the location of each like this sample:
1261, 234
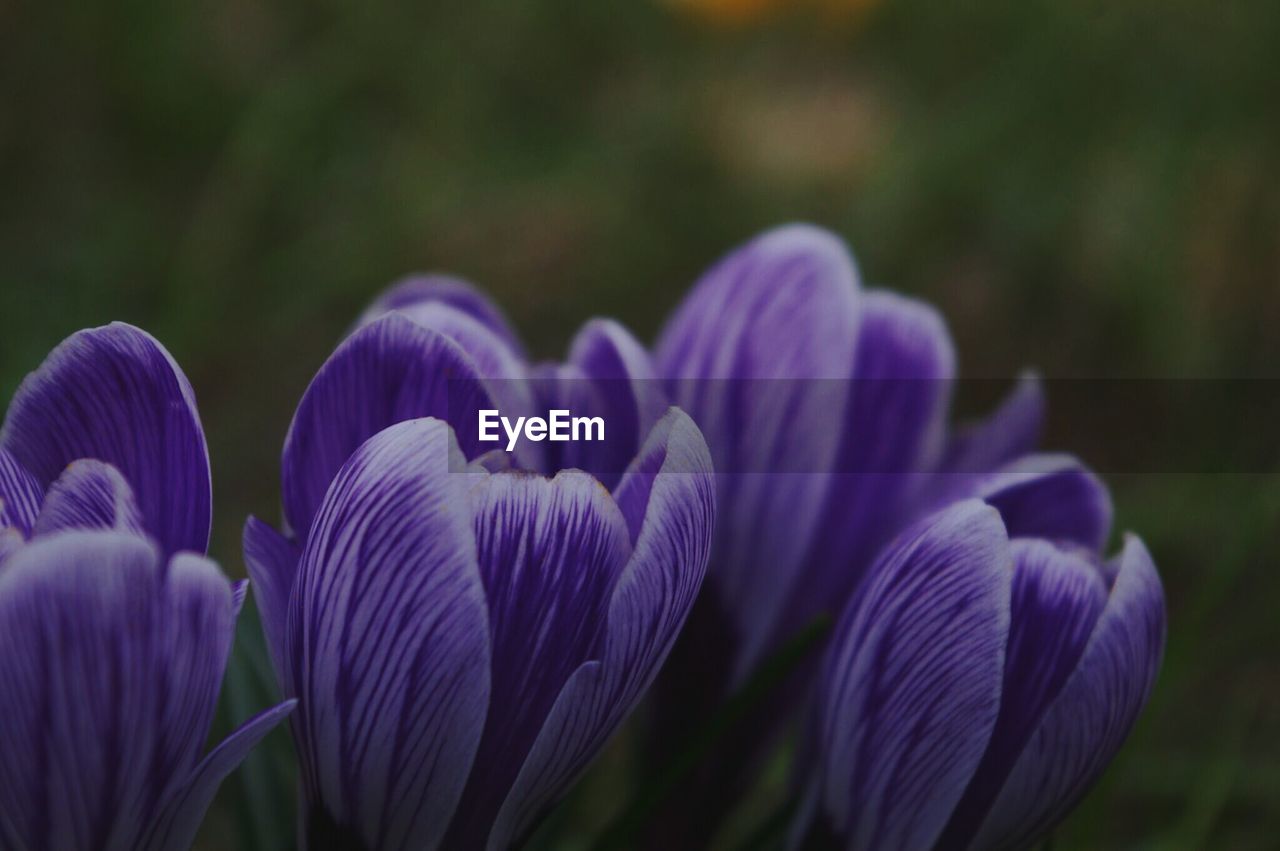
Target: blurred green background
1091, 187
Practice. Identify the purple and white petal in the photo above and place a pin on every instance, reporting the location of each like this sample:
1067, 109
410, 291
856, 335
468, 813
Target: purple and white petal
89, 495
1050, 496
668, 500
116, 395
20, 495
442, 289
1057, 598
890, 436
1091, 717
387, 641
911, 685
389, 371
550, 553
759, 355
272, 562
111, 673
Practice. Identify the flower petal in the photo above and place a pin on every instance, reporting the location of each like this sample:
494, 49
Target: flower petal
89, 495
389, 371
20, 494
911, 686
609, 375
891, 435
11, 541
550, 553
1011, 431
668, 498
111, 670
759, 355
387, 640
115, 394
506, 377
493, 355
441, 289
1092, 715
1057, 598
272, 562
1050, 496
181, 816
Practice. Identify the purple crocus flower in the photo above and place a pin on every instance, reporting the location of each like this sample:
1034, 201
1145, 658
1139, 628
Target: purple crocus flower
462, 642
115, 641
977, 685
826, 409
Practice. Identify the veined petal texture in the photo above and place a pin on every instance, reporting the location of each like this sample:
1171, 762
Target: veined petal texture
114, 394
911, 686
387, 644
112, 668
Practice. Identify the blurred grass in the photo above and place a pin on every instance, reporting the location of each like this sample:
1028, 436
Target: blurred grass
1090, 187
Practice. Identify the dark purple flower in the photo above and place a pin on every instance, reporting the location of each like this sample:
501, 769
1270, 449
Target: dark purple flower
977, 685
826, 409
463, 642
115, 396
113, 659
115, 642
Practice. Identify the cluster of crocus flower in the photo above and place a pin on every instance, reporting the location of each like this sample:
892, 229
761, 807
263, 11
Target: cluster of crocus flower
463, 629
463, 635
116, 628
790, 547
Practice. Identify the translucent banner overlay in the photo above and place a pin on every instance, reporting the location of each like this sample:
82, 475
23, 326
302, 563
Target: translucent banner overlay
879, 426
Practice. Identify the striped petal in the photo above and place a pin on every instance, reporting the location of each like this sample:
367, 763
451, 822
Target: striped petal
111, 667
1057, 598
20, 495
1092, 715
891, 434
550, 553
750, 355
89, 495
911, 686
389, 371
387, 642
668, 500
116, 395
